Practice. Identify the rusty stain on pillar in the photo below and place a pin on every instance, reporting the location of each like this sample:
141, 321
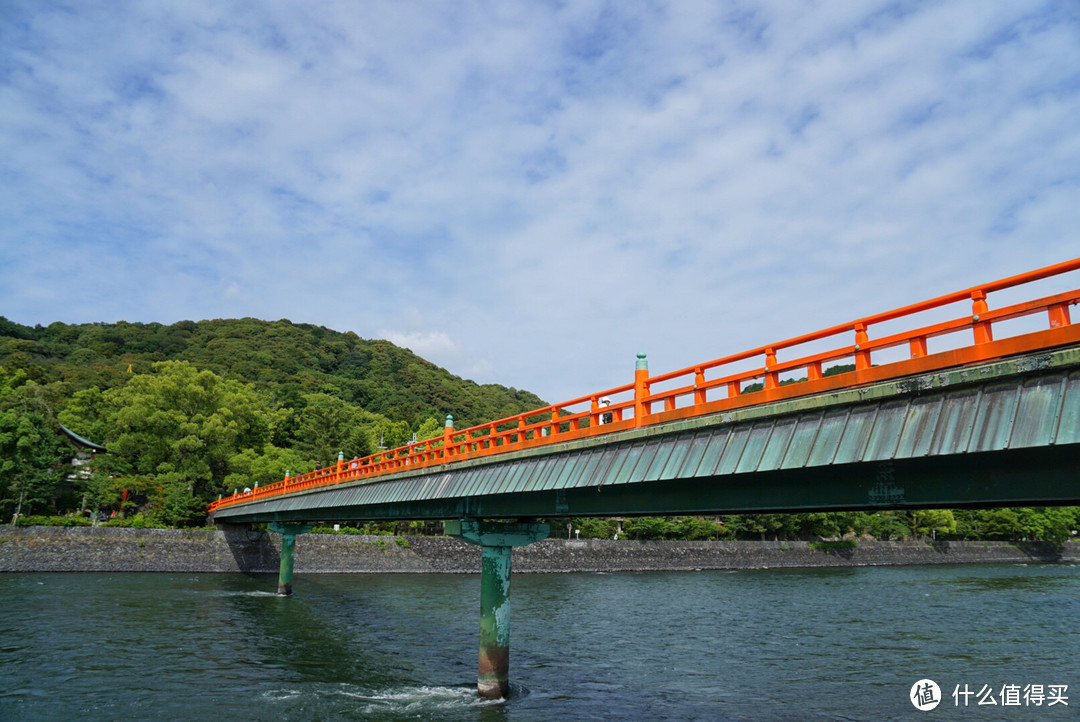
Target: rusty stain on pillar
496, 541
288, 551
493, 674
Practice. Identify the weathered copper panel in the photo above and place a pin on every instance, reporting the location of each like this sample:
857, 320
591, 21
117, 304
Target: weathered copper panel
922, 418
600, 468
714, 452
776, 449
1037, 413
828, 437
958, 410
886, 433
735, 445
663, 453
1068, 431
478, 481
573, 472
695, 452
755, 447
648, 453
993, 423
860, 424
802, 440
631, 453
536, 473
411, 489
678, 456
566, 476
554, 471
512, 481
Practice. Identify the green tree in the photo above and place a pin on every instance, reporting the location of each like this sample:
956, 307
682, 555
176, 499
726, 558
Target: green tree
1001, 523
328, 425
591, 528
697, 528
88, 413
931, 522
754, 526
817, 524
270, 464
100, 491
647, 527
1054, 524
180, 426
888, 526
430, 428
32, 462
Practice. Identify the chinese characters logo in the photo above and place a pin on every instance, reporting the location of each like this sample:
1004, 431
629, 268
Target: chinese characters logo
925, 695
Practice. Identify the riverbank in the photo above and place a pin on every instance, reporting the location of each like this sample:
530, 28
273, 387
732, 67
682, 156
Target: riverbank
84, 549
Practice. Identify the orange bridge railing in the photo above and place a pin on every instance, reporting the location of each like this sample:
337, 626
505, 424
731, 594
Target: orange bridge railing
784, 370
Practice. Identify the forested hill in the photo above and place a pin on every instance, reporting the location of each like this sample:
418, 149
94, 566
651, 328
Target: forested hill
194, 410
285, 359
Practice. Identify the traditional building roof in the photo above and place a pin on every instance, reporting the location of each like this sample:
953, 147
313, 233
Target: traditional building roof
81, 442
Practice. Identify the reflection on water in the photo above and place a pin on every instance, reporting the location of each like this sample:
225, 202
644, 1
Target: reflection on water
766, 644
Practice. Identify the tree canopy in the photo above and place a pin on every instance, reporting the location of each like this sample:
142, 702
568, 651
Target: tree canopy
283, 359
193, 410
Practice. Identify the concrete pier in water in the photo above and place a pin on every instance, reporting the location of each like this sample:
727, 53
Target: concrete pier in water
288, 534
496, 540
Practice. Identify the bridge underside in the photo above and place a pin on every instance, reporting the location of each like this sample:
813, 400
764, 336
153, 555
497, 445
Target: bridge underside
1001, 434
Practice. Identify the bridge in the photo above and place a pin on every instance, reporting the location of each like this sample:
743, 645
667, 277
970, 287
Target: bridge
944, 403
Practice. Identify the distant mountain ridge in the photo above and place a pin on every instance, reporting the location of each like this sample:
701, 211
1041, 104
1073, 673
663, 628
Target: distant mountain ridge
280, 357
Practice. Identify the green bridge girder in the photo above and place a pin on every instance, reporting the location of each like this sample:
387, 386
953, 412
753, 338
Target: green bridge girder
1000, 434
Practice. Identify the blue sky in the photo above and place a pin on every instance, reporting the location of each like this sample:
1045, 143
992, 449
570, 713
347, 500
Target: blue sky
530, 193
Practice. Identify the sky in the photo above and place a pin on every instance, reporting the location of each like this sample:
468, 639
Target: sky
530, 193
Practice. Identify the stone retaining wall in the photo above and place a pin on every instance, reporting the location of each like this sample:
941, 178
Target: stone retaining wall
84, 549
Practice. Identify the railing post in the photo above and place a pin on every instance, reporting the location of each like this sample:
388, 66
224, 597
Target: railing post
1059, 315
862, 356
641, 390
699, 387
983, 332
448, 435
771, 377
340, 461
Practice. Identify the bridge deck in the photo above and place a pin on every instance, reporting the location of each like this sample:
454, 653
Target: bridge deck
1003, 433
722, 387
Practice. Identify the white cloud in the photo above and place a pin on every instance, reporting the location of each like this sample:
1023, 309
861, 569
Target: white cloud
428, 344
532, 194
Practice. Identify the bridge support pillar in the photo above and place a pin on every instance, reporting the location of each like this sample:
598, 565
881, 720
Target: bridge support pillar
288, 534
496, 541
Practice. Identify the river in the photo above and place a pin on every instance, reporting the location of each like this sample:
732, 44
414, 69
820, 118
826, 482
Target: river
773, 644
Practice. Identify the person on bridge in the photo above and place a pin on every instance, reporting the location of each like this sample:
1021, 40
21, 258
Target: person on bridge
605, 418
